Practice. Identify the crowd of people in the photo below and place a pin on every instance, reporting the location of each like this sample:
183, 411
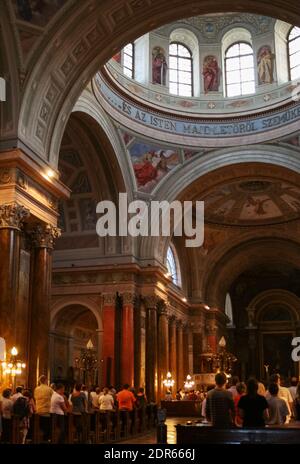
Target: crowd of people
250, 404
223, 405
56, 400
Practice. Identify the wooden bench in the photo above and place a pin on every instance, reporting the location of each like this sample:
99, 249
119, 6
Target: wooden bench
94, 427
207, 435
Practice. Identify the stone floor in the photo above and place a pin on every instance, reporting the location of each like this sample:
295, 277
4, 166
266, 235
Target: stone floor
150, 438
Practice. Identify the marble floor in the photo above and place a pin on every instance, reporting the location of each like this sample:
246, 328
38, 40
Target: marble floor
150, 437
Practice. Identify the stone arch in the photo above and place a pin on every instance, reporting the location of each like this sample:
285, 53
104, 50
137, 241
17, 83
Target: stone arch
181, 184
276, 296
83, 301
87, 106
72, 325
90, 37
219, 277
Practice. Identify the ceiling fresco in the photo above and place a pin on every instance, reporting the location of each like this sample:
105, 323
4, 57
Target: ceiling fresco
252, 202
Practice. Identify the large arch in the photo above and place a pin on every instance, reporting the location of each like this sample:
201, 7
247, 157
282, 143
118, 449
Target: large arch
90, 36
246, 255
74, 321
193, 179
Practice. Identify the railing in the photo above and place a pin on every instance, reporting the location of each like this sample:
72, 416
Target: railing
93, 427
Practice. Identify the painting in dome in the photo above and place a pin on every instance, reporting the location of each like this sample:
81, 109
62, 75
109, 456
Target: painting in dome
37, 12
265, 65
188, 154
159, 66
117, 57
211, 74
151, 164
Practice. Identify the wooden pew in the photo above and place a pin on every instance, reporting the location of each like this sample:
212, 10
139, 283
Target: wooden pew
207, 435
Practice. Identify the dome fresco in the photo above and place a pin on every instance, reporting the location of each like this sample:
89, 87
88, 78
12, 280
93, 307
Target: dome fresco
252, 202
212, 64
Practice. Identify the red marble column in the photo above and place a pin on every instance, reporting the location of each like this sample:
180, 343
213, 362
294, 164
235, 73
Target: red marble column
108, 339
163, 348
137, 320
127, 344
151, 347
211, 334
43, 237
179, 337
11, 220
173, 351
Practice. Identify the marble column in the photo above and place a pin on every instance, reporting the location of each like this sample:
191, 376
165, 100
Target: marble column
109, 302
127, 339
12, 217
151, 347
179, 337
186, 366
43, 238
137, 322
163, 348
173, 351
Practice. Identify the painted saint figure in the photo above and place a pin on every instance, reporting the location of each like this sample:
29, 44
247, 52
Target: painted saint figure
211, 74
265, 65
159, 66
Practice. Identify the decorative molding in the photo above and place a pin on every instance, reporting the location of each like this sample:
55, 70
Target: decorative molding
128, 298
151, 302
109, 299
44, 236
12, 216
6, 176
211, 327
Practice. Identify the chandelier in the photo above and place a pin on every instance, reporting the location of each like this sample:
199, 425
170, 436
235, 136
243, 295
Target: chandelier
13, 366
169, 382
87, 363
189, 383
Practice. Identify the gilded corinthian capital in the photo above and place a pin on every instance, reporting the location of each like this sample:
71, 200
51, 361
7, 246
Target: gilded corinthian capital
12, 216
44, 236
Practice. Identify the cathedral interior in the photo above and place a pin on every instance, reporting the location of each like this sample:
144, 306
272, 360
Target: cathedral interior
198, 102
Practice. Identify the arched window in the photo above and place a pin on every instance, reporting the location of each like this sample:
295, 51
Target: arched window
239, 68
294, 52
180, 70
173, 266
128, 60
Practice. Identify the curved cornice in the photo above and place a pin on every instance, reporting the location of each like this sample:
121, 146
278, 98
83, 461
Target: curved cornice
192, 131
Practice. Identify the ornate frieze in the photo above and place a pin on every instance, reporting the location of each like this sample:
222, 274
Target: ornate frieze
44, 236
13, 216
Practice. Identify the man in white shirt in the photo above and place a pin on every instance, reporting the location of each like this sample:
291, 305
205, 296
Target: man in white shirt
283, 393
58, 408
19, 392
95, 397
106, 401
